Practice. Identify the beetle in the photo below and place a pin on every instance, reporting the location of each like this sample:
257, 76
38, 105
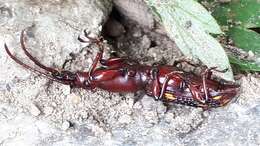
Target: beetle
166, 83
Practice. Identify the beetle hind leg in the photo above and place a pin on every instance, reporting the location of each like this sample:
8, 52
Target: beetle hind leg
206, 74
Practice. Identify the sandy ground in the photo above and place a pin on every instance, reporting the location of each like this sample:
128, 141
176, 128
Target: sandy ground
35, 111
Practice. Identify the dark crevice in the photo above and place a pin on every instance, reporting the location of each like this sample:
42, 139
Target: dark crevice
127, 38
116, 14
113, 26
255, 29
153, 44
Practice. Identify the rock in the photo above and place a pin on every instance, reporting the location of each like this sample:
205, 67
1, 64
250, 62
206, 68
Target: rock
51, 27
136, 10
54, 104
145, 42
258, 61
75, 99
34, 110
48, 110
251, 54
113, 28
66, 90
137, 34
224, 1
125, 119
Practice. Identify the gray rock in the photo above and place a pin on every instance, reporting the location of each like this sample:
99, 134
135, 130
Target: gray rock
34, 110
135, 10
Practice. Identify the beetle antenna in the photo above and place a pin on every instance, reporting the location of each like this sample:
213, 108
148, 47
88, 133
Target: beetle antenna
30, 56
46, 75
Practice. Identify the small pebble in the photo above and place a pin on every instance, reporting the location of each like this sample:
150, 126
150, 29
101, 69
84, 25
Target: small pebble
131, 101
74, 98
89, 60
169, 117
205, 113
113, 28
251, 54
100, 28
137, 105
146, 42
137, 34
224, 1
257, 138
34, 110
66, 90
258, 61
54, 104
65, 125
125, 119
48, 110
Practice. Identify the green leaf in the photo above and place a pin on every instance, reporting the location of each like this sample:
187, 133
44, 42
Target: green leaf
187, 9
245, 38
244, 65
240, 16
189, 25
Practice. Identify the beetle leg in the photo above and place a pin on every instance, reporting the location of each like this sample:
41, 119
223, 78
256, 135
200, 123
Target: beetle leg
157, 92
99, 42
208, 71
176, 62
206, 74
155, 83
117, 62
167, 105
90, 39
166, 80
113, 62
98, 57
95, 62
196, 94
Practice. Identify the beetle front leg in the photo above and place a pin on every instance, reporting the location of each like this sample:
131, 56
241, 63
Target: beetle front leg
113, 62
95, 62
176, 62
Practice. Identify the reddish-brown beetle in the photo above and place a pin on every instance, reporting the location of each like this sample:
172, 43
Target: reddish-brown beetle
166, 83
